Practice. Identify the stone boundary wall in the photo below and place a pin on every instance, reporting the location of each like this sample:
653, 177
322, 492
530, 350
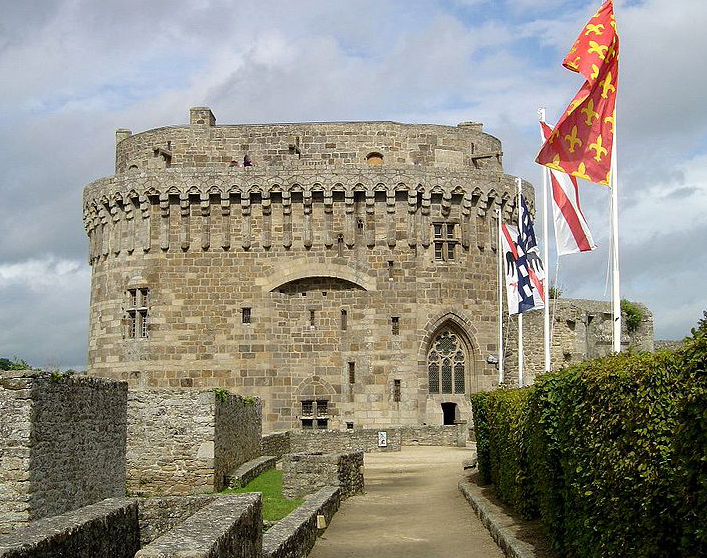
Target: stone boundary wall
276, 444
249, 470
108, 528
296, 534
187, 441
305, 473
156, 516
336, 441
238, 424
229, 527
62, 444
447, 435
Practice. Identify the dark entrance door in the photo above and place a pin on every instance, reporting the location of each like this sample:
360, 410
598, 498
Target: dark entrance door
449, 410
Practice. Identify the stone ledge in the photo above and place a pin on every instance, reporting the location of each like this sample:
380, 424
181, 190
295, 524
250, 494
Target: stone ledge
496, 521
296, 534
108, 528
250, 469
231, 526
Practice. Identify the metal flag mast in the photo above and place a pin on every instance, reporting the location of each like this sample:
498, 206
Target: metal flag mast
615, 290
499, 252
546, 257
520, 314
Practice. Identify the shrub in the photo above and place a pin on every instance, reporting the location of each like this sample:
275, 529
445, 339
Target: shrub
510, 471
633, 314
479, 407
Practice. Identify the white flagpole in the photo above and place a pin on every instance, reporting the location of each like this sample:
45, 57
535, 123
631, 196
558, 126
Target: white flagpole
520, 315
615, 291
501, 285
546, 257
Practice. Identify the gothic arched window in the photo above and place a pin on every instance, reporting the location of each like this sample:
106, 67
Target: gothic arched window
446, 364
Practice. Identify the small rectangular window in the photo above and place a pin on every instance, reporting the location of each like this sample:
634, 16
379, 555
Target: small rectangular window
133, 297
307, 424
322, 408
349, 426
450, 230
344, 320
322, 424
395, 325
396, 391
307, 408
450, 251
438, 251
144, 298
311, 318
438, 230
352, 372
245, 315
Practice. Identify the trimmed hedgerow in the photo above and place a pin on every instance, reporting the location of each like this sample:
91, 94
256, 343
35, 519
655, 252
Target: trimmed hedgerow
508, 449
479, 408
612, 452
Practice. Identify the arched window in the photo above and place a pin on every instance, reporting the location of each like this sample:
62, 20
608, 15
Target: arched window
446, 364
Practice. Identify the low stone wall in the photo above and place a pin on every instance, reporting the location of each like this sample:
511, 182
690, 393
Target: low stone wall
336, 441
276, 444
305, 473
295, 535
448, 435
62, 444
229, 527
187, 441
250, 469
108, 528
156, 516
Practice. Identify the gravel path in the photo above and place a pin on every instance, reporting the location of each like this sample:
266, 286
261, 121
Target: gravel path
412, 509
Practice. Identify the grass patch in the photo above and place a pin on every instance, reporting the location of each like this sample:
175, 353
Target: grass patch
269, 483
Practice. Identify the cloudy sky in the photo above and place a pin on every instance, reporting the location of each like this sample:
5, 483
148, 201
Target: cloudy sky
73, 71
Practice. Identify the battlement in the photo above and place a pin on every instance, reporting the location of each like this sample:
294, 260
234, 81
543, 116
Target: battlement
204, 145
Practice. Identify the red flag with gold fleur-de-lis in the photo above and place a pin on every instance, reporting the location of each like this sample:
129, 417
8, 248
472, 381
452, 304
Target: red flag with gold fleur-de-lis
582, 141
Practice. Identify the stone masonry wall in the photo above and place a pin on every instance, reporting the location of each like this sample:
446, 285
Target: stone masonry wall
106, 529
305, 473
337, 441
448, 435
238, 433
580, 329
62, 444
276, 444
186, 441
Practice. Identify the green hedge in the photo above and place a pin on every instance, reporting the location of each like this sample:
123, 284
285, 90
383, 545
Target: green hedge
479, 407
610, 453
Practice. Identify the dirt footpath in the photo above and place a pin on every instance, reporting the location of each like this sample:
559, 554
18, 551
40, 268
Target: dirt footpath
412, 509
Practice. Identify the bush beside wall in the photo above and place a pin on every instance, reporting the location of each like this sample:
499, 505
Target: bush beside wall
610, 453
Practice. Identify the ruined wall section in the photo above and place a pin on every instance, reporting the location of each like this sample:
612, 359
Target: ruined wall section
580, 329
187, 441
62, 444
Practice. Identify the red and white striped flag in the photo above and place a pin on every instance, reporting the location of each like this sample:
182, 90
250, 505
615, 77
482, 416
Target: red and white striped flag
572, 232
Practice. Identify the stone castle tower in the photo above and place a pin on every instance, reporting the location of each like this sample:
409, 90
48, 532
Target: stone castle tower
347, 277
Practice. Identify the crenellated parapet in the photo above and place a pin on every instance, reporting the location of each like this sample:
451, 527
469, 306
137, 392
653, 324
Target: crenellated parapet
120, 212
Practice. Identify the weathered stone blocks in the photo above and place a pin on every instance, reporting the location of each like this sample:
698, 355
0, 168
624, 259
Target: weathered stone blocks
62, 444
305, 473
187, 441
